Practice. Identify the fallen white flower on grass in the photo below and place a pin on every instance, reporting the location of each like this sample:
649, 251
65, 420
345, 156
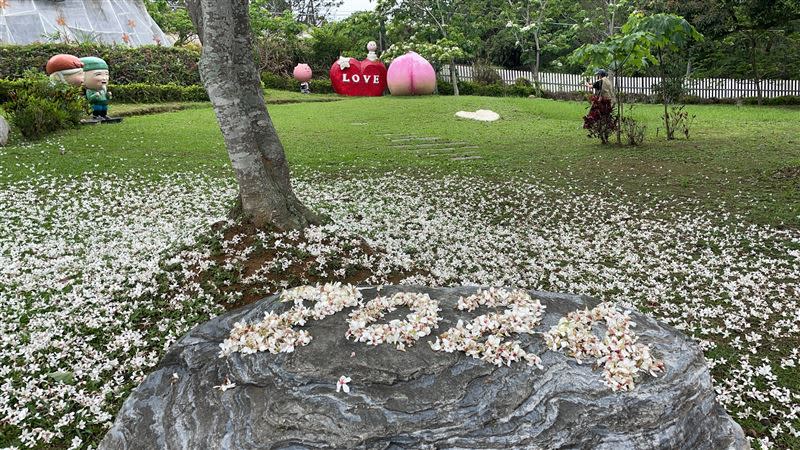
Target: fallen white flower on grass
482, 115
341, 385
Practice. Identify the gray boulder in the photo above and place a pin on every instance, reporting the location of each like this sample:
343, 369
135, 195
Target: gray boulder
417, 399
4, 131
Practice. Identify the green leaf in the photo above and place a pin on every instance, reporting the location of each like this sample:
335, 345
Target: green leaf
62, 377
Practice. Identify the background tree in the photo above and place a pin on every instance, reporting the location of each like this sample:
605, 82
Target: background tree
443, 23
348, 37
666, 34
232, 80
276, 38
173, 18
597, 20
625, 51
309, 12
526, 21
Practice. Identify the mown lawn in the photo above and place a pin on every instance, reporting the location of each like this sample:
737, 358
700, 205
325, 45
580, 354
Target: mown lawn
745, 158
108, 222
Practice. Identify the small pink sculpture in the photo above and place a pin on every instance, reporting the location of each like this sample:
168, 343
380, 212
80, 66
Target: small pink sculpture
411, 74
302, 73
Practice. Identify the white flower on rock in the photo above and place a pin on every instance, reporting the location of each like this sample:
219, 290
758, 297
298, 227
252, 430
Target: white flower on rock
618, 352
424, 317
341, 385
276, 333
522, 315
226, 385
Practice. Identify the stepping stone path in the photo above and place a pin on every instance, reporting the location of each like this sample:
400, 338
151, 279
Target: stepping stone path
432, 146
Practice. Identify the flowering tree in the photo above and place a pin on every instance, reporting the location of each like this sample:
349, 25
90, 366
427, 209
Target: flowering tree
231, 78
526, 20
627, 50
438, 53
667, 33
439, 29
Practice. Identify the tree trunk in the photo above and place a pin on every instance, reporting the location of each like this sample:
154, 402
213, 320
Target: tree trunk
454, 76
618, 95
230, 76
754, 66
537, 64
664, 96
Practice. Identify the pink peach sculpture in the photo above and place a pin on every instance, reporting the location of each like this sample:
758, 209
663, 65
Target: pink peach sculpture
302, 73
411, 74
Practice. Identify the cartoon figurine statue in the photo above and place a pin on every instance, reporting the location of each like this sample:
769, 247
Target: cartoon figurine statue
371, 47
302, 73
65, 69
95, 79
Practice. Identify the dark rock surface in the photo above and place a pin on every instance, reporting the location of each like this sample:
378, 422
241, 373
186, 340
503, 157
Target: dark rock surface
417, 399
5, 130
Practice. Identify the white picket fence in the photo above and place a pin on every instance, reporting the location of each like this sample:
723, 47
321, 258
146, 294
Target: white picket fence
706, 88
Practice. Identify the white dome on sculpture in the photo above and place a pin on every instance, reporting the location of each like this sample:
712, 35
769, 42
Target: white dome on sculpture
113, 22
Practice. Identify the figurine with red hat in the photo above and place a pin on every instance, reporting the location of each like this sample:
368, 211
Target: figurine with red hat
65, 69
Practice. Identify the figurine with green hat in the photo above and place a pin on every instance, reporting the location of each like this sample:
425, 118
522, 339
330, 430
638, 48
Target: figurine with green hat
95, 79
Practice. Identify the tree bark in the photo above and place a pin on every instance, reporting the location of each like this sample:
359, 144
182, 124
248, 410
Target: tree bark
538, 60
230, 76
454, 76
664, 95
754, 65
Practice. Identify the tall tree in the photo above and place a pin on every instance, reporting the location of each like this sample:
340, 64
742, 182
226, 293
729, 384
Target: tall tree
444, 22
526, 20
173, 19
627, 50
667, 34
229, 74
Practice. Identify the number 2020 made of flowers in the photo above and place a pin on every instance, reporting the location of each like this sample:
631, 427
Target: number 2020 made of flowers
486, 337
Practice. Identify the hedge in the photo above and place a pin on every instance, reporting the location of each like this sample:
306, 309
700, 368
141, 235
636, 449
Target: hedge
317, 85
148, 93
130, 93
149, 64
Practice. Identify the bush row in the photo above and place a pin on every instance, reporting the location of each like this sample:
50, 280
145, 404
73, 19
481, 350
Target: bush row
521, 90
149, 64
37, 107
317, 85
126, 93
149, 93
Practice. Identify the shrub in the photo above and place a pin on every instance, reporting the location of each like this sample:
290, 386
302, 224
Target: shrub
445, 87
679, 120
491, 90
286, 83
129, 93
273, 81
633, 131
149, 64
601, 120
522, 81
148, 93
37, 107
485, 74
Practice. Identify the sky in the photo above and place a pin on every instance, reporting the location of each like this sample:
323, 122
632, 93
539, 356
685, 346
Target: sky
351, 6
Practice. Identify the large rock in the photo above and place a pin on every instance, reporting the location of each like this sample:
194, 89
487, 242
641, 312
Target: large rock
5, 130
419, 398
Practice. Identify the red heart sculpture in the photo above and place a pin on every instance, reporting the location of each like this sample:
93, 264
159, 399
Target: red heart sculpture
362, 79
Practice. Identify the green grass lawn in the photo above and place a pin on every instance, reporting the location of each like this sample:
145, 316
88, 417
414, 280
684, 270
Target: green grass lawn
527, 194
743, 158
